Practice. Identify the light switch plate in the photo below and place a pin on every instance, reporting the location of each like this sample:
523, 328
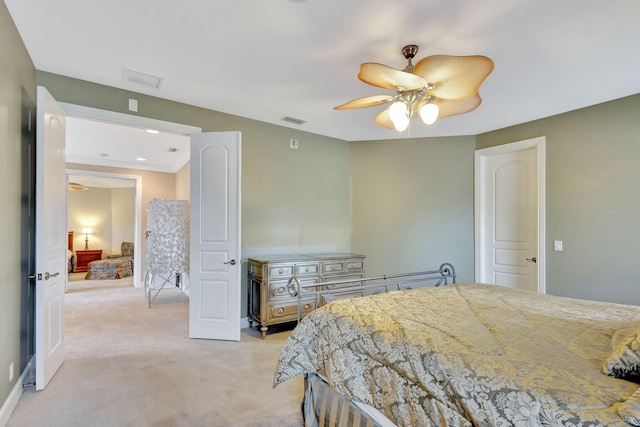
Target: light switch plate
557, 245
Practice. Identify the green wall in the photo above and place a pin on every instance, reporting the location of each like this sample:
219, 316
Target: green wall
593, 198
292, 200
16, 72
412, 204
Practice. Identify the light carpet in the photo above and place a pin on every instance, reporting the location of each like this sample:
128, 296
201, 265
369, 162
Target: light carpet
128, 365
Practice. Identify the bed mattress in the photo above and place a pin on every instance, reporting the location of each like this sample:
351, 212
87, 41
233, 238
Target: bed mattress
470, 354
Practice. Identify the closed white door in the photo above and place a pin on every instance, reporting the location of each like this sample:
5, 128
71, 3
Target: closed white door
215, 264
51, 242
508, 218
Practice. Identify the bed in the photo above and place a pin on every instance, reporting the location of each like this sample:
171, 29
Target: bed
466, 354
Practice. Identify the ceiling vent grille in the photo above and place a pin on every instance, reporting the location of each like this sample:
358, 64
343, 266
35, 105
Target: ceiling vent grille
293, 120
141, 79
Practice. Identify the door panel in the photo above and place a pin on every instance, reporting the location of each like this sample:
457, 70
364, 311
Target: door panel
51, 240
510, 215
511, 220
214, 300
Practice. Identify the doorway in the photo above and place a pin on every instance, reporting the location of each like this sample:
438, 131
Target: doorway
510, 215
109, 205
122, 133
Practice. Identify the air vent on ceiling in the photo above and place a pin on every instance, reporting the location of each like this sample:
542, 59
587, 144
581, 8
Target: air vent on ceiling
293, 120
141, 79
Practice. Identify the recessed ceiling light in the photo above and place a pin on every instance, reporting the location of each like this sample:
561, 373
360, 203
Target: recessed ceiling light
141, 159
173, 150
153, 131
104, 154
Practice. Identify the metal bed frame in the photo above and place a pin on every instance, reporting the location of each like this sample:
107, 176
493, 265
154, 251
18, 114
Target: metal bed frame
329, 291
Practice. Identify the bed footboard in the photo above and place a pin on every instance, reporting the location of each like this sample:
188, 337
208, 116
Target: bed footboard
325, 292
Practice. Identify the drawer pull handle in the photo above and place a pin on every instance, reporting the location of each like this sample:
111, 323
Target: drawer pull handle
280, 310
307, 306
280, 290
306, 270
280, 271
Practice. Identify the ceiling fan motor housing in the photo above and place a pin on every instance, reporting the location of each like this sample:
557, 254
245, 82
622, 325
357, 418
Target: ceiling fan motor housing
410, 51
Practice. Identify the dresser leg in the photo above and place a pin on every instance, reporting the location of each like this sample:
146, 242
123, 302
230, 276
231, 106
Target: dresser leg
263, 329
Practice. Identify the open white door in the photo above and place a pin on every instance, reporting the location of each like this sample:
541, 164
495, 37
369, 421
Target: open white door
51, 243
215, 267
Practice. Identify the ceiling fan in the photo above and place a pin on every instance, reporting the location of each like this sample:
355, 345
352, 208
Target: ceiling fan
437, 86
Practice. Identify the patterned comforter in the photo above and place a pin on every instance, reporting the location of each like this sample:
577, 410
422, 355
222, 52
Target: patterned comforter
470, 354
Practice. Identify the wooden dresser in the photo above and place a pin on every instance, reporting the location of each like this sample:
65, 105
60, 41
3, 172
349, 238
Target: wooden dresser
83, 258
269, 300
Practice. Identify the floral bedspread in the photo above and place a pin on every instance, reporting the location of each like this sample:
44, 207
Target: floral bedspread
468, 354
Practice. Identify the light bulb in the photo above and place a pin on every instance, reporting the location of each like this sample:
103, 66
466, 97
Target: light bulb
398, 115
429, 113
401, 124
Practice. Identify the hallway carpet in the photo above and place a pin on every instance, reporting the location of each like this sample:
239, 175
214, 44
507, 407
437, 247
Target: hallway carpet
128, 365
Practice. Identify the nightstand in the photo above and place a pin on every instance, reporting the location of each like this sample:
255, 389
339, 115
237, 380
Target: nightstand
83, 258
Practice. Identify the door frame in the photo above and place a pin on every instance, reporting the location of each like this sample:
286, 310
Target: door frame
538, 144
84, 112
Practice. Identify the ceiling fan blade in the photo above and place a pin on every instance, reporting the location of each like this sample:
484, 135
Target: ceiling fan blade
367, 101
389, 78
384, 119
454, 77
453, 107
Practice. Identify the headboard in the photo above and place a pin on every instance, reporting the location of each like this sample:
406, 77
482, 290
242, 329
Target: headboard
70, 241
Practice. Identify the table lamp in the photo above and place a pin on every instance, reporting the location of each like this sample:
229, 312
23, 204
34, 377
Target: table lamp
86, 231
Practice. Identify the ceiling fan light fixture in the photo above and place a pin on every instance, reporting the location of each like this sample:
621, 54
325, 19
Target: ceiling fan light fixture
429, 113
398, 114
437, 87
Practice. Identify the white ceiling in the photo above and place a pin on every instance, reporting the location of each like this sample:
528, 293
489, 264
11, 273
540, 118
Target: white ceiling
268, 59
107, 144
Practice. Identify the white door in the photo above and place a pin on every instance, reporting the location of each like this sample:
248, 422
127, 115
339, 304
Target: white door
51, 242
215, 264
508, 217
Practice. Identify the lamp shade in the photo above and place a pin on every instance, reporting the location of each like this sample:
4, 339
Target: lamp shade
398, 114
429, 113
87, 230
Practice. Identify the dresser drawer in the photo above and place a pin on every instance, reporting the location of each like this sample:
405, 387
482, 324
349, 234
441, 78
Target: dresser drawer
278, 290
354, 265
280, 270
284, 312
333, 267
307, 268
344, 277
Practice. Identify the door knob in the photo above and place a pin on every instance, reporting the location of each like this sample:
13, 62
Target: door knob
232, 262
534, 259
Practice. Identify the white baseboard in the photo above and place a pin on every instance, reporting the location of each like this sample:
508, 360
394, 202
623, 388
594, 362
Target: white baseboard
12, 401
